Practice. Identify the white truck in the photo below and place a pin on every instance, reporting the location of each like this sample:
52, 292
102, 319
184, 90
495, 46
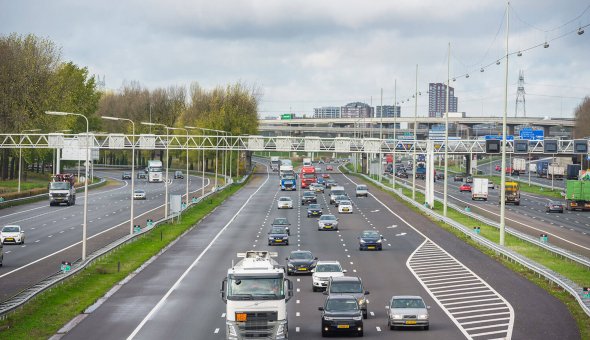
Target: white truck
532, 167
256, 292
479, 189
274, 163
519, 164
62, 190
555, 171
286, 166
154, 169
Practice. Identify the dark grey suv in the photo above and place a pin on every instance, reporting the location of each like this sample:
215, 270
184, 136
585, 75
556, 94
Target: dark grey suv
349, 285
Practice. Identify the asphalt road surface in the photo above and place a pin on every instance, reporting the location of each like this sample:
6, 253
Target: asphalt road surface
54, 234
177, 295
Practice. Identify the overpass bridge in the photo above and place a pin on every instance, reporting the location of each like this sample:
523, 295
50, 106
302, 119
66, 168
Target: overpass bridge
464, 127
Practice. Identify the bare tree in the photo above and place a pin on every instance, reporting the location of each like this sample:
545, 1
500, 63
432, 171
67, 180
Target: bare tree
582, 115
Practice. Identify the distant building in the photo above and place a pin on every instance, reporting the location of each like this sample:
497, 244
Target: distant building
437, 98
388, 111
326, 112
356, 110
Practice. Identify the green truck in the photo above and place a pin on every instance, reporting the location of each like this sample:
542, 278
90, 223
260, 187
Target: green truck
577, 195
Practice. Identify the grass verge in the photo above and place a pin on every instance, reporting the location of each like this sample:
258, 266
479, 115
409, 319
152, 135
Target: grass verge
47, 313
573, 271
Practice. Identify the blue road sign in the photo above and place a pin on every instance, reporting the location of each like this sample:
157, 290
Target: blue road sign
530, 134
498, 137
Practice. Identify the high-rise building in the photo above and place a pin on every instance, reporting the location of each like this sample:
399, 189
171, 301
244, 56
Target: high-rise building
388, 111
326, 112
356, 110
437, 99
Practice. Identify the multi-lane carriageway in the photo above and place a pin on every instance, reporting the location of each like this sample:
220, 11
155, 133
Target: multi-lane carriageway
53, 234
471, 295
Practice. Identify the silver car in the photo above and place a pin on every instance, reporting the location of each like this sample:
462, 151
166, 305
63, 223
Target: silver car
138, 194
285, 203
328, 222
407, 311
362, 190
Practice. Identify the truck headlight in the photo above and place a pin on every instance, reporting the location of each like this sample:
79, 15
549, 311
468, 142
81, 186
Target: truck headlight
281, 331
231, 330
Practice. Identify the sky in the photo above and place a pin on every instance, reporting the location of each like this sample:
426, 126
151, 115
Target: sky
312, 53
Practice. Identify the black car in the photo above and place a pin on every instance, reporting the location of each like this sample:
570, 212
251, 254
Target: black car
370, 240
349, 285
314, 210
278, 235
554, 206
126, 175
300, 262
308, 197
458, 178
468, 179
331, 183
141, 175
341, 314
440, 175
281, 222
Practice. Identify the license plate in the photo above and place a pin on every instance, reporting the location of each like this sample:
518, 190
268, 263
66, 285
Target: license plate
371, 247
303, 269
344, 209
9, 239
410, 322
343, 326
328, 226
278, 240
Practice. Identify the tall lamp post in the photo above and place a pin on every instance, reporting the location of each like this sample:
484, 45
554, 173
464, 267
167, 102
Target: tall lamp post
20, 154
203, 161
186, 132
85, 218
132, 218
167, 164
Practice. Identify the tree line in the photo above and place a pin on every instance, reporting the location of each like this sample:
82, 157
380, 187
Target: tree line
35, 79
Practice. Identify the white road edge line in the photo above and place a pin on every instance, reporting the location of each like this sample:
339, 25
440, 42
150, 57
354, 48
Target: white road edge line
177, 283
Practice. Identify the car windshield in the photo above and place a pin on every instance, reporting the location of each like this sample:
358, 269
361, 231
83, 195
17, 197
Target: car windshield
10, 229
341, 305
308, 193
284, 199
301, 255
338, 192
126, 174
314, 206
328, 268
361, 187
278, 230
139, 191
59, 186
407, 303
370, 233
343, 202
280, 220
346, 287
555, 203
179, 172
327, 218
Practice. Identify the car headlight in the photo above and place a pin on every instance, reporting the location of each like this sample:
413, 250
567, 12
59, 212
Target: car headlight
423, 316
327, 318
362, 301
379, 241
357, 318
396, 316
285, 237
362, 241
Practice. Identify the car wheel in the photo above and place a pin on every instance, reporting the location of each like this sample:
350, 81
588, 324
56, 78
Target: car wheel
360, 334
380, 248
426, 327
313, 288
289, 273
324, 334
365, 315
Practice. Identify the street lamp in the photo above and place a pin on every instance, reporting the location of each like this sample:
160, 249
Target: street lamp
85, 218
203, 160
132, 218
186, 132
20, 154
167, 165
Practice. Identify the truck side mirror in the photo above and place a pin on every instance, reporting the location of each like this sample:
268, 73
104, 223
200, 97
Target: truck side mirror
222, 290
289, 289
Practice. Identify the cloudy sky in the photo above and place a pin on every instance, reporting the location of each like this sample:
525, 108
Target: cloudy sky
305, 54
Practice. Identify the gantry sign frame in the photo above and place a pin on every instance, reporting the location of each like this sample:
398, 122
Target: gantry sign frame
115, 141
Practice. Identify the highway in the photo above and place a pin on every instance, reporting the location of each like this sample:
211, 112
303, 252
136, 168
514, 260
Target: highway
177, 295
54, 234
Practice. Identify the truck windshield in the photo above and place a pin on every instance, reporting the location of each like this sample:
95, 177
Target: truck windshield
289, 177
155, 169
59, 186
308, 176
255, 288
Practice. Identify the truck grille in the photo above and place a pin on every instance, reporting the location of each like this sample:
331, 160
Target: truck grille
259, 325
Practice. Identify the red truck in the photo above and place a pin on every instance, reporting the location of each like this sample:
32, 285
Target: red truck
308, 176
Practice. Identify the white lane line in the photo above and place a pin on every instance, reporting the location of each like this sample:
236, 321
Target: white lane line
216, 331
297, 329
181, 278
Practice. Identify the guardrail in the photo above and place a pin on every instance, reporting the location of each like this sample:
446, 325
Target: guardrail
566, 284
27, 294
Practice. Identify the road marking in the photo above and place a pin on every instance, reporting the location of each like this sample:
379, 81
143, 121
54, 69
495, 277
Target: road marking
297, 329
469, 292
223, 315
216, 331
400, 234
372, 313
297, 314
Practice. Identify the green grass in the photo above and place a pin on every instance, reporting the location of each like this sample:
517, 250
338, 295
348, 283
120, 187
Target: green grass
571, 270
47, 313
33, 181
